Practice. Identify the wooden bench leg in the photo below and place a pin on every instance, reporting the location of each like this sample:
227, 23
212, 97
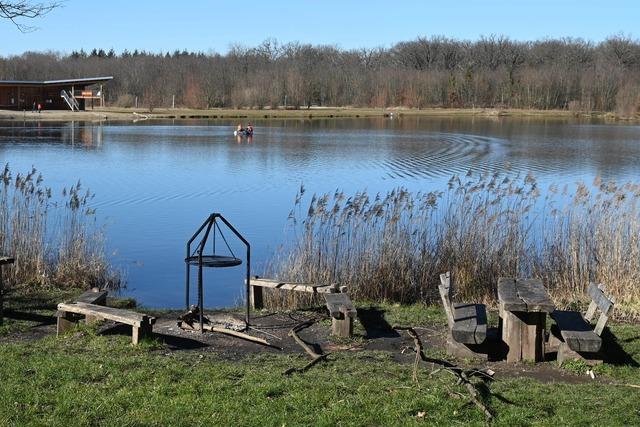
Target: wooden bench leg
88, 319
342, 326
138, 333
565, 353
255, 297
463, 351
65, 322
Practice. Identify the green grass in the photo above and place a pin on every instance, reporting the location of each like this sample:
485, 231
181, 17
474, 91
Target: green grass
84, 379
87, 379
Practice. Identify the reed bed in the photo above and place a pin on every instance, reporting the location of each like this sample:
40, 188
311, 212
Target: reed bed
55, 240
392, 247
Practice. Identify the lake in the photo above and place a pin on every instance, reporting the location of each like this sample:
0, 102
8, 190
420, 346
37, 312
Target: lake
156, 181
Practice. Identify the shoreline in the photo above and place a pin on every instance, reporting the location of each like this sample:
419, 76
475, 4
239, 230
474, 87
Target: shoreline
122, 114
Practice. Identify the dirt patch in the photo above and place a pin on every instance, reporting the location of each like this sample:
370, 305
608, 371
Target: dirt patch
275, 327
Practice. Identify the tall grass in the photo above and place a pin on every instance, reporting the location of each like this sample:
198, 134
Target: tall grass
55, 241
480, 227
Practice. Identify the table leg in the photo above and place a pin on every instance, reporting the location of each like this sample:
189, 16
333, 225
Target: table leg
512, 335
533, 336
523, 333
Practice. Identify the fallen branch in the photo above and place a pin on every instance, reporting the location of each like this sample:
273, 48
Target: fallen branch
315, 357
463, 377
209, 328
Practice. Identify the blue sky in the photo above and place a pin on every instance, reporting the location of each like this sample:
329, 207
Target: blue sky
200, 25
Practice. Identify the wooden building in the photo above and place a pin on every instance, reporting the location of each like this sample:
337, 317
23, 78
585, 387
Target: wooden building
71, 94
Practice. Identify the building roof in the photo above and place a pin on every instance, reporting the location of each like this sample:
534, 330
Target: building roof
85, 81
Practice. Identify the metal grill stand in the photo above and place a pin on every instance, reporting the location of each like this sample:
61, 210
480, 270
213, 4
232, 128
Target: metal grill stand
201, 260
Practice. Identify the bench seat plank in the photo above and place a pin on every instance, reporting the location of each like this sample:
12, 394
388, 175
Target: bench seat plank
93, 297
576, 332
340, 305
469, 323
597, 296
342, 314
301, 287
108, 313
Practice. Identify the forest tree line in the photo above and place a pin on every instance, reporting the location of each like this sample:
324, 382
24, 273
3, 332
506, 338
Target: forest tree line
492, 72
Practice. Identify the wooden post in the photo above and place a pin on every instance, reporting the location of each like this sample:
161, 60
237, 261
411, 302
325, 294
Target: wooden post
342, 327
4, 260
138, 333
256, 298
511, 335
523, 333
533, 326
65, 322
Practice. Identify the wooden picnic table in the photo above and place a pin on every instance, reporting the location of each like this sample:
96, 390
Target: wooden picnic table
524, 304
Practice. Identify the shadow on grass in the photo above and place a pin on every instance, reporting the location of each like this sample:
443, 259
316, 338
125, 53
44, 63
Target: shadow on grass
39, 319
172, 341
375, 324
613, 353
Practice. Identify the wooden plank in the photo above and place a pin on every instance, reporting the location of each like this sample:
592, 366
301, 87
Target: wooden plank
511, 336
591, 311
577, 332
93, 296
340, 305
532, 292
65, 322
300, 287
602, 321
4, 259
470, 325
256, 298
445, 295
118, 315
342, 314
532, 335
598, 296
508, 295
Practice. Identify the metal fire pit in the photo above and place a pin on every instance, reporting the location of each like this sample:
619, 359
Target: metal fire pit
198, 258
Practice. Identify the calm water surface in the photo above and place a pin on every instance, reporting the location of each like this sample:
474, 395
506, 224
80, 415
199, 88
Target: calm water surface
155, 182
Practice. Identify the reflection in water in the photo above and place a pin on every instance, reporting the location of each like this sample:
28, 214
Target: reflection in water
155, 180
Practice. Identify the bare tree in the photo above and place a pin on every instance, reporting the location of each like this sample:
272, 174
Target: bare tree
21, 9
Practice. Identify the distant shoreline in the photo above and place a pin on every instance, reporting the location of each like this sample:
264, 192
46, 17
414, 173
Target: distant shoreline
108, 114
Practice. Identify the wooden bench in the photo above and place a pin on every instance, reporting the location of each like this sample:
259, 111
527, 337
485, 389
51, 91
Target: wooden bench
342, 314
4, 260
573, 335
69, 314
257, 284
467, 323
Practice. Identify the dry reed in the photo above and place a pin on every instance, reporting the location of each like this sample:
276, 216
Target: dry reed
392, 247
55, 243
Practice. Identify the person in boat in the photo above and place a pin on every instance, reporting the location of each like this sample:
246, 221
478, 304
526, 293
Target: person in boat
249, 129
